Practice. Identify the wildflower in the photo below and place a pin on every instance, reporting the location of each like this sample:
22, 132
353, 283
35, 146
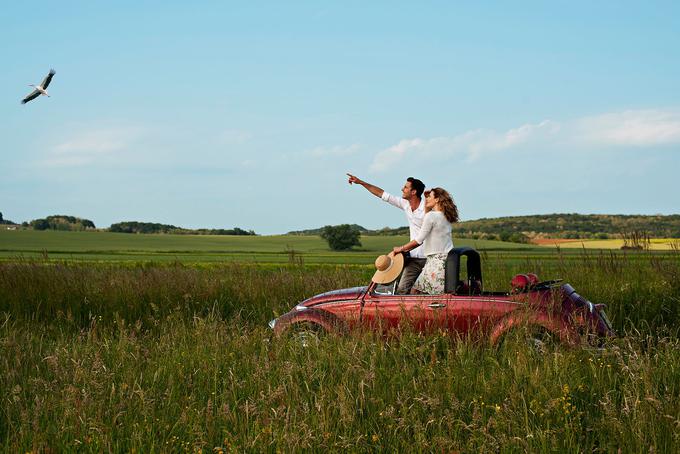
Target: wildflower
375, 438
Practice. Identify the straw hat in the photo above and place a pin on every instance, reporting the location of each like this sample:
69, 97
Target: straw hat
389, 266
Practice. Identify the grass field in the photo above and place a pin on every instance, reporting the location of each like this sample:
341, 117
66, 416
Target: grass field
174, 355
202, 248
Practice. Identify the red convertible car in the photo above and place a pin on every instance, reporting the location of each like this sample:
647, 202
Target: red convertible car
541, 310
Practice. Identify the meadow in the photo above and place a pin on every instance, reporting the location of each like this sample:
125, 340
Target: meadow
106, 246
174, 355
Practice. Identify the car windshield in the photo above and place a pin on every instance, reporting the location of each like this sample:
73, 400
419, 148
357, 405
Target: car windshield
604, 318
385, 289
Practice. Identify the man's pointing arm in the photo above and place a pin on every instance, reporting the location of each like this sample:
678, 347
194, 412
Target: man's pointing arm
376, 191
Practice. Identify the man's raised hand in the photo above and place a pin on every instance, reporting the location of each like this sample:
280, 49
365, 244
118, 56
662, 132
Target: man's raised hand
376, 191
353, 179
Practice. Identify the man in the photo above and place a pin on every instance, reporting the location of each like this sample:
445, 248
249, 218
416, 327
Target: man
414, 208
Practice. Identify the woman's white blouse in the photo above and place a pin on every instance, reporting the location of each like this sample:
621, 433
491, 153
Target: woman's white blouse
435, 233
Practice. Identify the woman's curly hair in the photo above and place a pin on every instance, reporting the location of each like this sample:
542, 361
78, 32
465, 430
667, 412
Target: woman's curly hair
446, 203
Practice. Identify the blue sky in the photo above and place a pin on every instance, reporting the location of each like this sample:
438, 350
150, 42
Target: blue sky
249, 114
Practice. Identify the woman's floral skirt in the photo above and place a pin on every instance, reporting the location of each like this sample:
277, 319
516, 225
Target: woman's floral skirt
431, 279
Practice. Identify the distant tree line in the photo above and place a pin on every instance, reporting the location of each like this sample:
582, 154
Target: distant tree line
60, 222
142, 227
4, 221
154, 227
72, 223
234, 231
521, 229
320, 230
576, 226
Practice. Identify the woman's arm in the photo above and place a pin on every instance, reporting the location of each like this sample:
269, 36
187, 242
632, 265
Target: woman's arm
424, 232
407, 247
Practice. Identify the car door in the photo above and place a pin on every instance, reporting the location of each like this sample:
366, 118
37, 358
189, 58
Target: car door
423, 313
459, 314
482, 312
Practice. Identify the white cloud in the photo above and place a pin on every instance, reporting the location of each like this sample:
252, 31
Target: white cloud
471, 144
637, 128
90, 147
632, 128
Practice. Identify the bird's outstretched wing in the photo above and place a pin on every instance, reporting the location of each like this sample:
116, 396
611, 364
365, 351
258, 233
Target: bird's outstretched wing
34, 94
46, 81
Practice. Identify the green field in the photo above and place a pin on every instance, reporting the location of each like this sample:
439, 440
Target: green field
203, 248
149, 343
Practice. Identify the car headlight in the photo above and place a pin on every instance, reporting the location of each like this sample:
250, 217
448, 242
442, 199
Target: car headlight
272, 323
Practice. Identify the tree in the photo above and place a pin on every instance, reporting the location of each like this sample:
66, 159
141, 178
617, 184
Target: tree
341, 237
40, 224
88, 224
5, 221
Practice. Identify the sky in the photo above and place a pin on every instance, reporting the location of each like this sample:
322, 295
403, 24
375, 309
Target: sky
249, 114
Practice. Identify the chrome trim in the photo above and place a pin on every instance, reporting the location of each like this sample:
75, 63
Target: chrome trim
501, 301
483, 300
457, 299
300, 307
353, 300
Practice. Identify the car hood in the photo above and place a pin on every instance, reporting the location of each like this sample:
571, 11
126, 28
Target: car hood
340, 294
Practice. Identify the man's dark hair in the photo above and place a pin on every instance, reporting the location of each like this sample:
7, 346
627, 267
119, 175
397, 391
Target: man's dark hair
418, 185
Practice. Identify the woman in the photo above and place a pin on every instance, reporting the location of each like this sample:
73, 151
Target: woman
435, 233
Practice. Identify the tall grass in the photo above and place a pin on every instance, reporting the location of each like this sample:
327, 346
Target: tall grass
177, 358
77, 293
642, 291
210, 384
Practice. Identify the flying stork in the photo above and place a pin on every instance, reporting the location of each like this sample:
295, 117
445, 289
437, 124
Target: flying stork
39, 89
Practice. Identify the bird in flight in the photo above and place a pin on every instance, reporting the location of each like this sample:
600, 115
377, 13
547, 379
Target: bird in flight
39, 89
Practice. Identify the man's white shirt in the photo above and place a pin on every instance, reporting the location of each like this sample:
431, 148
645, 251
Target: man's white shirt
414, 217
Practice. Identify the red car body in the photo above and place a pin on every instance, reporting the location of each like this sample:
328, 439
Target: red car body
465, 309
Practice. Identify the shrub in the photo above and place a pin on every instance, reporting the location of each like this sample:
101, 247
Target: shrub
62, 222
40, 224
341, 237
